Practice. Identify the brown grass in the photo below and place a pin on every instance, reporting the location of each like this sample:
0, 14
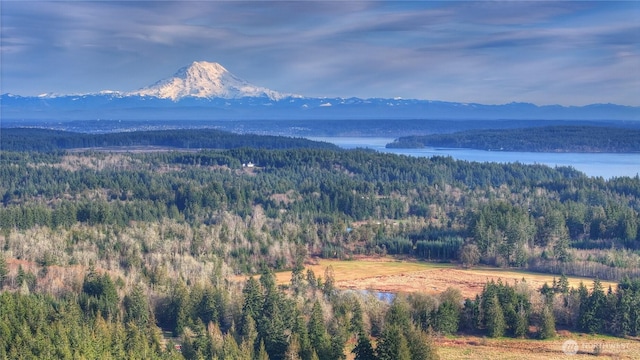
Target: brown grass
389, 275
471, 347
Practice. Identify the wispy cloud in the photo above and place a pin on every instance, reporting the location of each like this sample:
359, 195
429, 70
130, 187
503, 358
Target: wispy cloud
493, 52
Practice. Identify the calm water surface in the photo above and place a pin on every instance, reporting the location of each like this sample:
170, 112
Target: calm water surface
599, 164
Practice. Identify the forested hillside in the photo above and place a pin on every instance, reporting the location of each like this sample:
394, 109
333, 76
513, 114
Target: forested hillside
116, 246
43, 140
540, 139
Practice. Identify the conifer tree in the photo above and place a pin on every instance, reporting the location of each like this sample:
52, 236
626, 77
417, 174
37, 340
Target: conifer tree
137, 307
300, 329
248, 334
584, 314
357, 322
317, 331
592, 309
548, 326
253, 299
563, 284
262, 352
398, 314
522, 322
314, 355
3, 270
393, 345
274, 333
495, 318
338, 339
329, 281
293, 351
468, 316
447, 318
421, 345
230, 348
363, 349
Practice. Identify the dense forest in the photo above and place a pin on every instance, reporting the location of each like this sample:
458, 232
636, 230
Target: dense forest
44, 140
539, 139
101, 252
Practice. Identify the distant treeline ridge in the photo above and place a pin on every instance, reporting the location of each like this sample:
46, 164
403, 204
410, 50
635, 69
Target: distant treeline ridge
542, 139
45, 140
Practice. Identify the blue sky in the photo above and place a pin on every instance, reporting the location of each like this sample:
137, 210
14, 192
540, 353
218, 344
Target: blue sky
544, 52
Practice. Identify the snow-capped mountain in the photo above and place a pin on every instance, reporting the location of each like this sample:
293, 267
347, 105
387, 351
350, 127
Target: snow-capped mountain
207, 91
204, 79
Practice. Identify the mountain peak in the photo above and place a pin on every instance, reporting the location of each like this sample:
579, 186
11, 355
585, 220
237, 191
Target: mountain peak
202, 79
204, 67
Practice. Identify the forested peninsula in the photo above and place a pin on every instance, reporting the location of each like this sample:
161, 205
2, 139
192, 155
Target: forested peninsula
576, 139
175, 254
45, 140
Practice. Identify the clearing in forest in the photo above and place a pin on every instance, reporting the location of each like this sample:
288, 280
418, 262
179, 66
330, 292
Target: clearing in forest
403, 276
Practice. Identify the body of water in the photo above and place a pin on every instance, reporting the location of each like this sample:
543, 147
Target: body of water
606, 165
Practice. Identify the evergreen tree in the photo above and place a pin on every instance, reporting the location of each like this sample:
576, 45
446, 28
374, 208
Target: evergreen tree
230, 348
253, 299
338, 340
548, 325
393, 345
421, 345
592, 319
522, 322
584, 313
262, 352
318, 333
297, 280
136, 306
293, 351
357, 321
314, 356
398, 314
311, 279
101, 294
267, 279
468, 317
447, 318
363, 349
622, 317
249, 334
274, 333
329, 281
495, 318
3, 270
300, 329
548, 291
563, 285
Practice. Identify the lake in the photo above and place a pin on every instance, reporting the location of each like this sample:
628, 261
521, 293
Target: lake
606, 165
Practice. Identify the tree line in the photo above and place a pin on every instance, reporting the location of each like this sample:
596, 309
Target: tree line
433, 208
306, 319
119, 246
535, 139
45, 140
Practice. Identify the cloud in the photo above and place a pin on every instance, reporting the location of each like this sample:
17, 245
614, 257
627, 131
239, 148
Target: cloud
542, 52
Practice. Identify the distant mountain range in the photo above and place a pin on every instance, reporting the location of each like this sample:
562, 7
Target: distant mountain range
207, 91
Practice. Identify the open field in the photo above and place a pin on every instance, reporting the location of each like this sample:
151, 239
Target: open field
584, 346
390, 275
577, 346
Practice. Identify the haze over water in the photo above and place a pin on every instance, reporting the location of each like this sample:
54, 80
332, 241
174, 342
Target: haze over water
606, 165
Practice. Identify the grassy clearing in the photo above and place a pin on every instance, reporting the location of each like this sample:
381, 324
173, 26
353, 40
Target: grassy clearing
476, 348
391, 275
348, 270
